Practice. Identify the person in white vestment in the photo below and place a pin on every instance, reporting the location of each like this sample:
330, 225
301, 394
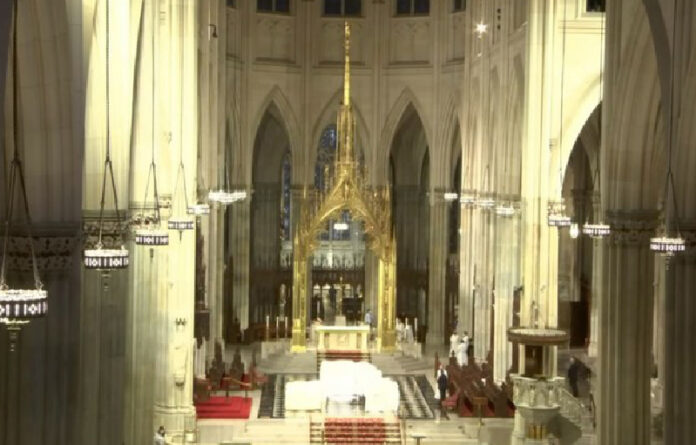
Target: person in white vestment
454, 342
159, 436
467, 342
462, 357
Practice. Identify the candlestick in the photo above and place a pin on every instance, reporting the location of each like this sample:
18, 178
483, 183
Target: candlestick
268, 326
415, 328
286, 326
277, 330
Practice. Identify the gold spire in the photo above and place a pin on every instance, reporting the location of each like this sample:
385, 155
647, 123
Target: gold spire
346, 78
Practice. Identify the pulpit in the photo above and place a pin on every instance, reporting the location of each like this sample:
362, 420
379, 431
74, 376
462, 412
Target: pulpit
342, 338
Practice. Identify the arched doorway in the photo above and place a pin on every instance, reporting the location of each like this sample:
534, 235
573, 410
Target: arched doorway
410, 181
270, 280
575, 251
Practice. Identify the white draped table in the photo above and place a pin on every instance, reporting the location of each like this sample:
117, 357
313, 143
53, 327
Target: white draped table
342, 338
343, 381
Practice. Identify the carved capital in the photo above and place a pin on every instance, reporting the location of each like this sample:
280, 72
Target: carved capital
54, 248
632, 227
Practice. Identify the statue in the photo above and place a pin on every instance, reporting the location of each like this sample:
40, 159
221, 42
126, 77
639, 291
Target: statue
180, 355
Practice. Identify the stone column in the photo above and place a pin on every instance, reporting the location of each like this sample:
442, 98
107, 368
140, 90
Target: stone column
466, 272
680, 343
503, 297
437, 269
239, 228
597, 277
625, 334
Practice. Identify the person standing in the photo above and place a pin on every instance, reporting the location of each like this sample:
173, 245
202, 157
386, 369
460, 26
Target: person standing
442, 387
159, 436
368, 321
573, 371
454, 342
462, 353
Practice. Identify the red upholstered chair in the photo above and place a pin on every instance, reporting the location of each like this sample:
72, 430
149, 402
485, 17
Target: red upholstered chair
256, 377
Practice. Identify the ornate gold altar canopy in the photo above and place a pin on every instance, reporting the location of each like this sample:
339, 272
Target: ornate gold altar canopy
372, 206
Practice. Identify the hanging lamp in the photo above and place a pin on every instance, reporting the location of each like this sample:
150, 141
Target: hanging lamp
181, 221
599, 230
19, 306
100, 257
150, 232
669, 243
556, 215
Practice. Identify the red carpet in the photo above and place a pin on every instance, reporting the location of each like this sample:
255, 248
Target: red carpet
355, 430
224, 408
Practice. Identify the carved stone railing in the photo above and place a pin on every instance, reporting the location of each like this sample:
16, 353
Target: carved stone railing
536, 393
574, 410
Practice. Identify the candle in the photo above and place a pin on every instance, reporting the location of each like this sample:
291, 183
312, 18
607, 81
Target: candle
286, 326
415, 328
277, 327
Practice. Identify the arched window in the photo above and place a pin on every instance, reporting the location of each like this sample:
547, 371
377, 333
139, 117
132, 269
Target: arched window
273, 6
343, 7
596, 6
459, 5
286, 180
412, 7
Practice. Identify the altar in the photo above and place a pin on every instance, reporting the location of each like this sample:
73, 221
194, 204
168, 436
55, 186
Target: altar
342, 338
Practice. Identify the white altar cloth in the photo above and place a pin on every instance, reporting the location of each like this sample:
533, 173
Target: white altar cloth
303, 395
344, 381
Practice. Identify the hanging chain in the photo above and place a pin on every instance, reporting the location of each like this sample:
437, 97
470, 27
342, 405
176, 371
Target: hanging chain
108, 167
560, 127
152, 170
16, 169
597, 179
669, 179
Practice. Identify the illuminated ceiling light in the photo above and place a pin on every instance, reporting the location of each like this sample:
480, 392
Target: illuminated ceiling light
596, 231
485, 202
106, 259
340, 226
180, 223
467, 198
227, 197
505, 209
151, 237
667, 245
450, 196
481, 28
556, 215
18, 306
99, 257
198, 209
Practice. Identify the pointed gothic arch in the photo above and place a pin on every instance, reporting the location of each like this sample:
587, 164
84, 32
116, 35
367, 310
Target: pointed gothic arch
406, 98
289, 119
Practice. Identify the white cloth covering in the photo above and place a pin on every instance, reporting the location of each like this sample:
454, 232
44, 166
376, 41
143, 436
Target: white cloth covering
343, 381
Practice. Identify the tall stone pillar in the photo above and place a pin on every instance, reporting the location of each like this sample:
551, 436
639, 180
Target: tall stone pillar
437, 269
597, 277
625, 335
239, 240
466, 271
680, 343
503, 297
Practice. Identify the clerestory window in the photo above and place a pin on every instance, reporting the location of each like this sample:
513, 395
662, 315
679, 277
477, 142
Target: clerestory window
273, 6
459, 5
343, 7
412, 7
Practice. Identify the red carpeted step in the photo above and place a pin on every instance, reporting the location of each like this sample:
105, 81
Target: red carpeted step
224, 408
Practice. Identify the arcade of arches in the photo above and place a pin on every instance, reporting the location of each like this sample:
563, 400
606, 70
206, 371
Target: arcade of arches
473, 116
